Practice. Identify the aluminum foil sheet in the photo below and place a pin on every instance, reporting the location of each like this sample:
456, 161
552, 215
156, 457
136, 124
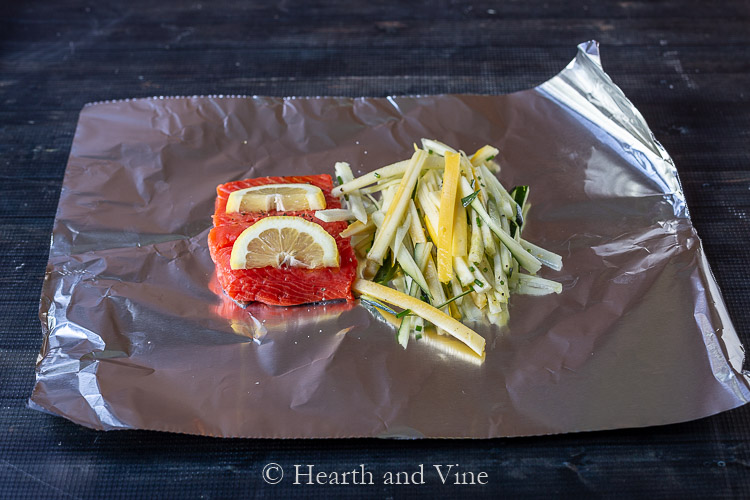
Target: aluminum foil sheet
137, 334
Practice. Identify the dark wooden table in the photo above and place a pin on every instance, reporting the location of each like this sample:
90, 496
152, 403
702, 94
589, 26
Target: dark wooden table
685, 64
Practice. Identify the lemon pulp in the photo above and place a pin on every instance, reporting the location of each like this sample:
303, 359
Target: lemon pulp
281, 197
284, 242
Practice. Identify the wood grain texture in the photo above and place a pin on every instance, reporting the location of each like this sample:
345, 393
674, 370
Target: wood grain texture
685, 65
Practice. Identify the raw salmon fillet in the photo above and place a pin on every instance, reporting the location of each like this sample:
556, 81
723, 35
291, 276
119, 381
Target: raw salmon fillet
323, 181
284, 286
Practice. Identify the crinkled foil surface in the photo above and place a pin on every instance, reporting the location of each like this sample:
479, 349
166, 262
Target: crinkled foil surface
138, 334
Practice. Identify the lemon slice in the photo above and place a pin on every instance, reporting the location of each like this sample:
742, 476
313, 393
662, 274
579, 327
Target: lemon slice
282, 197
284, 241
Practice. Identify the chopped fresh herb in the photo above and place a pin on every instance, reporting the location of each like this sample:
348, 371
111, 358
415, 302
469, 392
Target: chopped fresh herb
485, 269
478, 283
469, 199
479, 222
386, 272
490, 158
418, 328
403, 313
346, 197
471, 289
429, 151
339, 180
419, 335
471, 268
502, 282
377, 175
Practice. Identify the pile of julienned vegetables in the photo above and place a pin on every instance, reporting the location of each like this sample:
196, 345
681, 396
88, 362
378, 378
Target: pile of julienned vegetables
439, 237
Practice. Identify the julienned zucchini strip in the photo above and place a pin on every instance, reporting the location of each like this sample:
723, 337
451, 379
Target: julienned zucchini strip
396, 212
447, 234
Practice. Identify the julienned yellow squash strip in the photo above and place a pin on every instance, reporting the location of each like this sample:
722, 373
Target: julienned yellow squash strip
476, 243
460, 230
431, 214
416, 231
436, 290
456, 329
447, 212
483, 154
357, 228
430, 229
397, 208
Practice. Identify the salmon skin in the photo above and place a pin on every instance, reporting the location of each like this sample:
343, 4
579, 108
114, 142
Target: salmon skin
279, 286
